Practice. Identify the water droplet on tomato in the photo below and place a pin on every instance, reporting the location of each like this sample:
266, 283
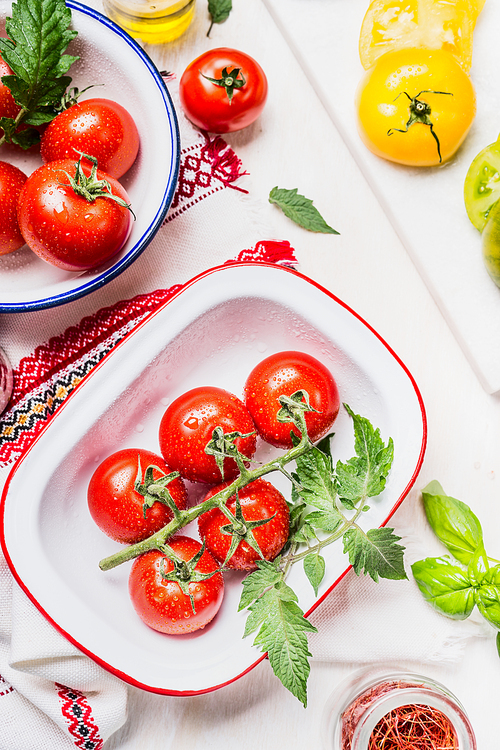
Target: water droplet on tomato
61, 213
191, 423
88, 217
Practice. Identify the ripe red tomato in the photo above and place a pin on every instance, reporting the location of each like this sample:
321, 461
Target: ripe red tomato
223, 90
283, 374
187, 427
65, 229
162, 604
11, 184
99, 127
8, 107
115, 505
258, 500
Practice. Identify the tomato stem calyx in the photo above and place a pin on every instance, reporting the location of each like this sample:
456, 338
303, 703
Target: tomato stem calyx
155, 490
229, 81
90, 187
419, 112
184, 571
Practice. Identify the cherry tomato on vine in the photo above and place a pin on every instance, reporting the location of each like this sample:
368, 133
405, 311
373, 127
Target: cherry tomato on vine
118, 508
415, 107
223, 90
8, 107
161, 603
12, 181
187, 426
258, 500
64, 228
482, 185
99, 127
285, 373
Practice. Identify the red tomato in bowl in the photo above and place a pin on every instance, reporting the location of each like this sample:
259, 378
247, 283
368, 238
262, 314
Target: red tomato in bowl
162, 604
99, 127
11, 183
115, 505
8, 106
258, 500
285, 373
187, 426
223, 90
65, 229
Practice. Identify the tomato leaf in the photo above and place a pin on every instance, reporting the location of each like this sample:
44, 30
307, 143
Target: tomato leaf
38, 36
282, 630
365, 474
300, 210
219, 11
314, 568
375, 552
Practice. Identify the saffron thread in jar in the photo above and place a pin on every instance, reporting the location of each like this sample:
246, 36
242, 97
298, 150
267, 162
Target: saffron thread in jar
413, 727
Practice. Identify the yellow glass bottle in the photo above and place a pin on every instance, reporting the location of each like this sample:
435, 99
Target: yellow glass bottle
153, 22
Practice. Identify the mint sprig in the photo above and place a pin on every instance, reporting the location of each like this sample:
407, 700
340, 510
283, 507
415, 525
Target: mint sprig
219, 11
300, 209
38, 35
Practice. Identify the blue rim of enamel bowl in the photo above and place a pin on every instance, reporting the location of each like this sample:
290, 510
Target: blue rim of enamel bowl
116, 269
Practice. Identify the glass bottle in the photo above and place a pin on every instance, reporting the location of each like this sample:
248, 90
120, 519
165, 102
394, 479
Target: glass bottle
152, 21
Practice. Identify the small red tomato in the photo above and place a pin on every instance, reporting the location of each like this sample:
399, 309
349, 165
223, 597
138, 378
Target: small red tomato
258, 500
285, 373
223, 90
11, 183
98, 127
115, 505
187, 427
8, 107
162, 604
66, 229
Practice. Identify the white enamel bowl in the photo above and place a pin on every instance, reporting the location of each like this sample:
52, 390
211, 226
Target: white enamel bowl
212, 332
107, 56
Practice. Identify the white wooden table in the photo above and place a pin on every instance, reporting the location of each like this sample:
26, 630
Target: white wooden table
296, 144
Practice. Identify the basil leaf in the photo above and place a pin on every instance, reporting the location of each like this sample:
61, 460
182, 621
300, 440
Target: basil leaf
300, 210
488, 596
453, 522
219, 11
478, 566
445, 586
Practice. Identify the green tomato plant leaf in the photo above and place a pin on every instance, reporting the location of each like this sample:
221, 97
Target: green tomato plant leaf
300, 209
364, 475
376, 552
445, 586
314, 568
453, 522
38, 35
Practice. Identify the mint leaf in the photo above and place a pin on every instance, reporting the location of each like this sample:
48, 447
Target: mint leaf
375, 552
364, 475
282, 634
38, 36
256, 583
453, 522
219, 11
445, 586
300, 210
314, 568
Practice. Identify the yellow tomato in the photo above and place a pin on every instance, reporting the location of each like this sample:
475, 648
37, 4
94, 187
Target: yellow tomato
430, 24
415, 107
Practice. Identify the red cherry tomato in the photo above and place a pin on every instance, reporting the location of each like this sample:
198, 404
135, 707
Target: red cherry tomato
258, 500
162, 604
234, 101
115, 505
187, 427
283, 374
11, 183
99, 127
8, 107
65, 229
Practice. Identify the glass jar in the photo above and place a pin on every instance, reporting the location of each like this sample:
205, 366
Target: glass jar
153, 22
358, 704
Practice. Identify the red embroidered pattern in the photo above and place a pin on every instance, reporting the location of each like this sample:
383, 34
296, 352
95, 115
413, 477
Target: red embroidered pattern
45, 378
5, 687
78, 715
